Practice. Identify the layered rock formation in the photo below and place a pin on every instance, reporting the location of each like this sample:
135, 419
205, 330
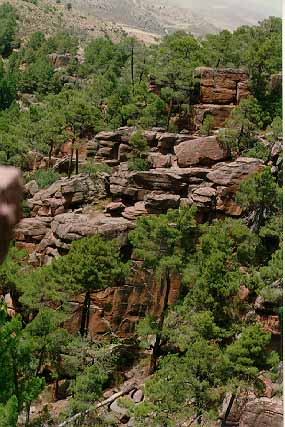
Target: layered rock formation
262, 412
186, 170
222, 86
68, 194
118, 309
218, 93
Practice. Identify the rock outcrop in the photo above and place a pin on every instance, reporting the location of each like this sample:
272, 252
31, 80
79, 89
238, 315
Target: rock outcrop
200, 151
80, 206
218, 91
211, 188
220, 86
59, 60
262, 412
231, 174
118, 309
66, 194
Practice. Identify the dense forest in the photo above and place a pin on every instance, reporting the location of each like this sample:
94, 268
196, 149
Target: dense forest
210, 343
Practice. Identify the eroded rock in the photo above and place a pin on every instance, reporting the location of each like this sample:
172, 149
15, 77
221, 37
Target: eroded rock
69, 193
157, 202
205, 150
262, 412
231, 174
72, 226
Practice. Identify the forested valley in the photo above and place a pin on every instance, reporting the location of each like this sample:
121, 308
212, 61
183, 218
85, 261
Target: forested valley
144, 283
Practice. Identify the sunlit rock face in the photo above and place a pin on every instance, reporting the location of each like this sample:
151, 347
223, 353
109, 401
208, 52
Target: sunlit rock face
11, 194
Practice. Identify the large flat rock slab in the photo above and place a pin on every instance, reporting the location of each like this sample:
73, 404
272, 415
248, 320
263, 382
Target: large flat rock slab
231, 174
72, 226
203, 151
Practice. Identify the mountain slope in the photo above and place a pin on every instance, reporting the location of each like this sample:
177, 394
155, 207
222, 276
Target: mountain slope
50, 17
155, 17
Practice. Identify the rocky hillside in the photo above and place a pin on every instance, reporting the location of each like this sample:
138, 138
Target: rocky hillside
51, 17
186, 170
158, 17
148, 262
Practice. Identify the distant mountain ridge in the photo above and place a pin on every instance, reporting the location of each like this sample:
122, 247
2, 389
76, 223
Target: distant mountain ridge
231, 13
155, 17
164, 16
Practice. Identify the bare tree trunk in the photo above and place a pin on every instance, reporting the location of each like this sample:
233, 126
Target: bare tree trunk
108, 401
156, 347
77, 160
70, 160
169, 113
228, 411
85, 315
27, 422
50, 154
132, 70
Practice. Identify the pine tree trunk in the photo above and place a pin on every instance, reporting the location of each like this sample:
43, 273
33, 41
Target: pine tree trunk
77, 160
85, 315
70, 160
132, 70
27, 422
156, 347
169, 113
49, 155
228, 411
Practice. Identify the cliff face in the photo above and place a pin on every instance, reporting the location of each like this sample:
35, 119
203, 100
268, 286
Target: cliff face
218, 92
116, 310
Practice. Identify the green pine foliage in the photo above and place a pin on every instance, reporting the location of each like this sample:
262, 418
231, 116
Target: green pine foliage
211, 341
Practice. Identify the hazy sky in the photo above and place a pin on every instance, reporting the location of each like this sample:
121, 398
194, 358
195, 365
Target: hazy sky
272, 7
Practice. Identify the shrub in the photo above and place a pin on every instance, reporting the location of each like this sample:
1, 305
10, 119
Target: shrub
43, 177
138, 164
139, 145
207, 126
93, 168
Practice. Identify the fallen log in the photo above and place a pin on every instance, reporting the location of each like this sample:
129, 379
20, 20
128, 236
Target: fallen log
99, 405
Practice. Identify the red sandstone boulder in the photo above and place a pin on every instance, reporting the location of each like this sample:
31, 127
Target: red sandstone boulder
231, 174
133, 212
205, 150
219, 86
157, 202
59, 60
68, 193
158, 160
72, 226
32, 230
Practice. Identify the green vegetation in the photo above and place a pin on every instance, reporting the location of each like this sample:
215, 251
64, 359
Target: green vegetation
44, 178
8, 25
212, 341
110, 88
139, 146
